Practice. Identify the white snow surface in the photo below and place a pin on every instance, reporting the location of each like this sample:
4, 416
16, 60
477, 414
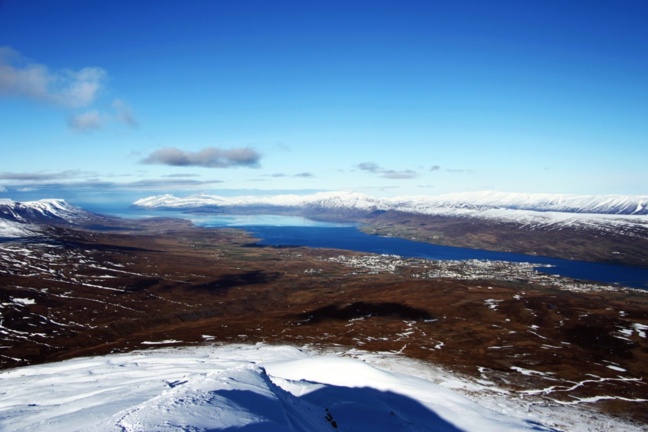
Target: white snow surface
619, 214
11, 229
597, 204
15, 223
264, 388
47, 207
58, 207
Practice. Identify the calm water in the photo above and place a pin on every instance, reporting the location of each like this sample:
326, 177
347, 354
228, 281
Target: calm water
353, 239
296, 231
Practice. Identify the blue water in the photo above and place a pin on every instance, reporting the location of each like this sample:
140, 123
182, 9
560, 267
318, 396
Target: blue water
350, 238
275, 230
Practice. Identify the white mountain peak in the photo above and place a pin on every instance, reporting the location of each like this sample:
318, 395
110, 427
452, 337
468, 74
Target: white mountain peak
601, 204
21, 219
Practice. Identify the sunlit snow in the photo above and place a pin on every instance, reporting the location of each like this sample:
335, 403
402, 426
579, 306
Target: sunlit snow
263, 388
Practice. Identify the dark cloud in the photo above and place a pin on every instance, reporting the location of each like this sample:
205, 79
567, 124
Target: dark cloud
43, 177
386, 173
435, 168
304, 175
211, 157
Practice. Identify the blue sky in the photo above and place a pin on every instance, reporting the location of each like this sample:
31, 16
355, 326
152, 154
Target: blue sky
121, 100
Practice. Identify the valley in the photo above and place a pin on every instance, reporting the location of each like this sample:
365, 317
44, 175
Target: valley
605, 244
120, 285
607, 229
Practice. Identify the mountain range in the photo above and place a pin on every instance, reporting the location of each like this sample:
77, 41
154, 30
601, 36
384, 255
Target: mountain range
602, 228
594, 204
530, 349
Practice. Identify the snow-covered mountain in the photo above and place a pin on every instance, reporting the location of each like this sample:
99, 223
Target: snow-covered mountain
619, 215
331, 200
267, 388
24, 219
596, 204
45, 210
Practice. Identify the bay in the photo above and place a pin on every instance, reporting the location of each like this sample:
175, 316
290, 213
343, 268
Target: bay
351, 238
274, 230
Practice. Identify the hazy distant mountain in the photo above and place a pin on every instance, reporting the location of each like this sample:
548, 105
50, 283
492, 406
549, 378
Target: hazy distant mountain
595, 204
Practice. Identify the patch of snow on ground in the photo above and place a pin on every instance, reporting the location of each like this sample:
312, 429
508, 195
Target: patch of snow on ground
162, 342
266, 388
616, 368
10, 229
24, 301
640, 329
528, 372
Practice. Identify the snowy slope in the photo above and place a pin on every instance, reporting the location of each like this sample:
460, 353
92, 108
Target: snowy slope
23, 219
45, 209
619, 214
600, 204
265, 388
597, 204
11, 229
323, 199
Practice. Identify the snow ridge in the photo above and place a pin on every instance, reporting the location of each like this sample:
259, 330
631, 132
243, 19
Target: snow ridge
596, 204
624, 215
257, 387
23, 219
29, 211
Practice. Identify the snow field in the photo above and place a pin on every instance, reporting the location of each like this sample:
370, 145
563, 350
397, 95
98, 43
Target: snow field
263, 388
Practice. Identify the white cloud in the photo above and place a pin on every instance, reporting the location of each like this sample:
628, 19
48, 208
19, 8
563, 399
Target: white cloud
369, 166
123, 113
67, 88
386, 173
393, 174
86, 121
73, 90
79, 89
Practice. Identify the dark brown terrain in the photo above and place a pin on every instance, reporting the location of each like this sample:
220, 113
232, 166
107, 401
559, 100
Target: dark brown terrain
578, 243
87, 292
625, 244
